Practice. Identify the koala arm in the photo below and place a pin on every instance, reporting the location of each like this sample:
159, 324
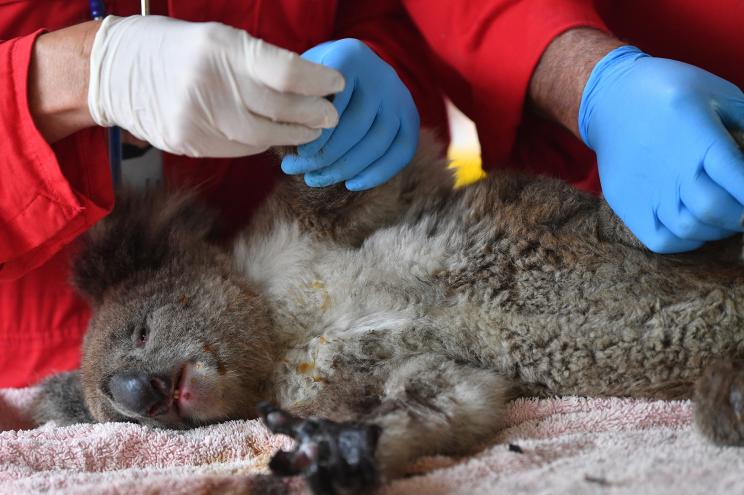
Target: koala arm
348, 217
61, 400
428, 404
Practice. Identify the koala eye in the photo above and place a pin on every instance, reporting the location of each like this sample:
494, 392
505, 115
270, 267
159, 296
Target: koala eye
140, 334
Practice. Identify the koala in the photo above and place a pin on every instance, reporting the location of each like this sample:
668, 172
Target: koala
381, 326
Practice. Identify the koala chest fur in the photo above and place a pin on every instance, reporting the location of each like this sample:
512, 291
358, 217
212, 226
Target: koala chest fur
329, 301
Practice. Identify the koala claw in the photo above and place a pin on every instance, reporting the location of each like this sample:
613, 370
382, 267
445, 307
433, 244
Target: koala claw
334, 458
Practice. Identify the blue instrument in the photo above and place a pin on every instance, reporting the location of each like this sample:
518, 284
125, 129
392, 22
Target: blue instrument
97, 12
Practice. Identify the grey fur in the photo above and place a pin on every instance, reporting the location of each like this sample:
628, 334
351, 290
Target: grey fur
413, 307
62, 401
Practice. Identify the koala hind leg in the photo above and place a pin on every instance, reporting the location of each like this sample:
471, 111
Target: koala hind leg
719, 403
433, 405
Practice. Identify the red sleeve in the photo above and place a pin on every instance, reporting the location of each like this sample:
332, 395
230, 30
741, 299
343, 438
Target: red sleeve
48, 195
487, 51
385, 27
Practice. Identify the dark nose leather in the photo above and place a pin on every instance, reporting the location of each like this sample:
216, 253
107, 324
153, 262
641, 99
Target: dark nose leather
141, 393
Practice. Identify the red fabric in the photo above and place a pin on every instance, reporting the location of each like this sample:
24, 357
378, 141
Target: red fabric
705, 34
49, 195
486, 52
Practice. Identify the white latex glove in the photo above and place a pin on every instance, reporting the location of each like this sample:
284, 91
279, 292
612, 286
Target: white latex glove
205, 89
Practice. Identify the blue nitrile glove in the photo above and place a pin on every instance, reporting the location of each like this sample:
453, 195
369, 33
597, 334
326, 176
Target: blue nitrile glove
668, 164
378, 126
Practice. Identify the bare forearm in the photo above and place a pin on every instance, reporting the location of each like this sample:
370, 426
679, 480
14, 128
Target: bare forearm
58, 81
560, 76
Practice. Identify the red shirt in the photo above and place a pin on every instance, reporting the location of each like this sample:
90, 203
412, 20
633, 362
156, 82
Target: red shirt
487, 50
51, 194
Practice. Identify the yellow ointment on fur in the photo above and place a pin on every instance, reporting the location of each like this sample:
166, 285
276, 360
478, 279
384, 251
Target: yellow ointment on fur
305, 368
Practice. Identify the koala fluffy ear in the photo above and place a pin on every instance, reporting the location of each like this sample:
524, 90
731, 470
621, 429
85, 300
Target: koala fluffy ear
61, 400
145, 230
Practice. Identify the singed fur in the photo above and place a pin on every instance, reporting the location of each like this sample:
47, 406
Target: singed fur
414, 307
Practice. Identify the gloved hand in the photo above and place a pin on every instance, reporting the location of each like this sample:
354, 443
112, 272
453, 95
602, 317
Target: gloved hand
377, 132
205, 89
668, 164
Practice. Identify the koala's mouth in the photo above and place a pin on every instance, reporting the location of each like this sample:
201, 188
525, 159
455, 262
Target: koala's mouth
181, 391
190, 396
193, 392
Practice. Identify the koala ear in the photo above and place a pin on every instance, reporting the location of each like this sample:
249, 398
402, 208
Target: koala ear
144, 230
61, 400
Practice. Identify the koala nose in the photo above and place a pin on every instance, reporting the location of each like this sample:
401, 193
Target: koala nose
141, 393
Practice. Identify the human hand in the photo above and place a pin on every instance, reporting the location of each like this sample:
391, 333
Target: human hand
205, 89
378, 128
668, 163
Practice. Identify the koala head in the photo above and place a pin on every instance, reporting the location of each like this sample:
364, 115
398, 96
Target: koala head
177, 337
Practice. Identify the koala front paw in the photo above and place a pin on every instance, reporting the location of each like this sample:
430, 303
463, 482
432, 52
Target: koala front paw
719, 403
334, 458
